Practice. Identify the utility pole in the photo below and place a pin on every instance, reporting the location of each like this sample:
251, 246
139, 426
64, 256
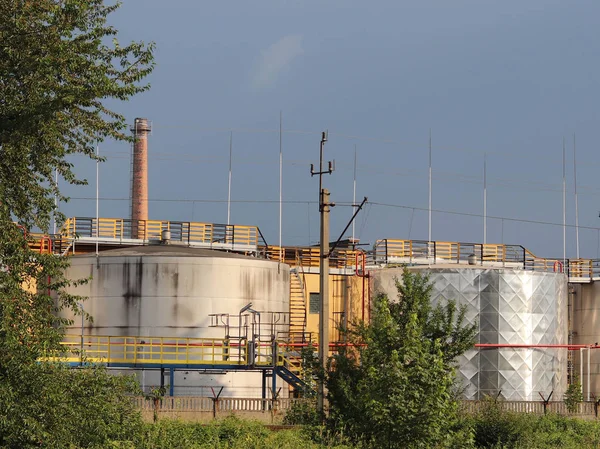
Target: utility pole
324, 208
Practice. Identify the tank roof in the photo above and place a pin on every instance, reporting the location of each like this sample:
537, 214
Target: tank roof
167, 251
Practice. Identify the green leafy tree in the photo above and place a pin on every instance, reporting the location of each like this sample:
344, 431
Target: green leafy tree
573, 395
60, 65
396, 387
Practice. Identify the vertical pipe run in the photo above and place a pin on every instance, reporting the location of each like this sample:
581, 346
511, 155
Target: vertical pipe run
139, 184
581, 369
588, 373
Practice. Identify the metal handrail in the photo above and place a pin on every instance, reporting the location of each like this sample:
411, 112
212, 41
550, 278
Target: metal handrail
187, 232
250, 239
137, 350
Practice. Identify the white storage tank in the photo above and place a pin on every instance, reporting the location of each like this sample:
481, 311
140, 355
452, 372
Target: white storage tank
170, 291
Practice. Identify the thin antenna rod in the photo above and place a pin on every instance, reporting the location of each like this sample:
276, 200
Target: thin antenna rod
229, 186
429, 236
55, 202
354, 192
576, 201
564, 205
280, 185
97, 199
484, 198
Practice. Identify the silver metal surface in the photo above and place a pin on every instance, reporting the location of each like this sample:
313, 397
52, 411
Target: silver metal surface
510, 307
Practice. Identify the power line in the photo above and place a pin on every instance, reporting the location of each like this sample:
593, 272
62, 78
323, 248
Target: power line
348, 204
443, 176
468, 214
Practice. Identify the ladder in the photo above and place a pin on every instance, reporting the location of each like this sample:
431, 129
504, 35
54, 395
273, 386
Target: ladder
297, 307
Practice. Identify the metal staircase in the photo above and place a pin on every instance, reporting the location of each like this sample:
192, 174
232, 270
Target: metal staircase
297, 307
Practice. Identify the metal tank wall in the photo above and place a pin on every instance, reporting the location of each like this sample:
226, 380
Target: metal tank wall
170, 291
586, 331
510, 306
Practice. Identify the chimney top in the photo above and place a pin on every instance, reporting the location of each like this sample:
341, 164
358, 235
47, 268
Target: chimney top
141, 125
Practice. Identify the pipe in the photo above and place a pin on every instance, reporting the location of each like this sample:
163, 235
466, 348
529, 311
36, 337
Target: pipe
581, 368
532, 346
363, 276
363, 298
588, 375
369, 293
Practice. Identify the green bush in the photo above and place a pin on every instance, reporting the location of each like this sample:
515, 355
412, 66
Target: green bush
302, 413
496, 428
573, 396
230, 433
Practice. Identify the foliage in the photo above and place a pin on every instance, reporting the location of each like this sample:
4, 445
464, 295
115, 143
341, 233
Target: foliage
573, 396
50, 405
302, 412
60, 63
229, 433
396, 387
156, 395
58, 68
497, 428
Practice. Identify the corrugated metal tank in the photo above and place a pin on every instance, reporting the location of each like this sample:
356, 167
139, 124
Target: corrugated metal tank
510, 306
586, 331
170, 291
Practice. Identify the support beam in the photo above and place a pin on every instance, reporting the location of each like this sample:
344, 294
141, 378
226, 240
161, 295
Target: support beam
171, 381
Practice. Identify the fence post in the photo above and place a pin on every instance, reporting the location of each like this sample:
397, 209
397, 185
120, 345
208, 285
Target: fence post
546, 400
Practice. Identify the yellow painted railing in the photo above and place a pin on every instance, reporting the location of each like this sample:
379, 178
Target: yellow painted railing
310, 256
249, 239
165, 351
412, 251
187, 232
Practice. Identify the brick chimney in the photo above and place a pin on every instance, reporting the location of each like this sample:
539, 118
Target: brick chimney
139, 181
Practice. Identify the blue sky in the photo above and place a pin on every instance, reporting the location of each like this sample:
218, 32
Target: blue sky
510, 79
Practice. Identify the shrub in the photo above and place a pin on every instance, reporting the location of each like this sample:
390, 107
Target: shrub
573, 396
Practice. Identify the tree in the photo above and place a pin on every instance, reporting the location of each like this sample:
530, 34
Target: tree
58, 69
60, 64
574, 395
396, 386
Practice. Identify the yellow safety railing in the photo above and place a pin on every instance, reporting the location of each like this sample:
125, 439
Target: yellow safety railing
173, 351
153, 350
536, 263
581, 268
309, 256
385, 251
494, 252
187, 232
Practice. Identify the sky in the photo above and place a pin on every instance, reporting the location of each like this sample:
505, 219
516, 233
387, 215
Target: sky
506, 81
